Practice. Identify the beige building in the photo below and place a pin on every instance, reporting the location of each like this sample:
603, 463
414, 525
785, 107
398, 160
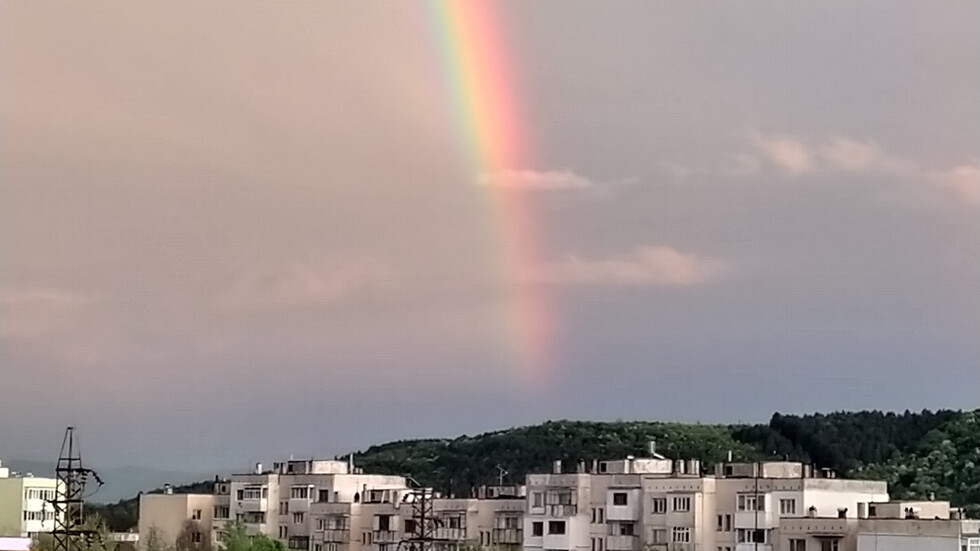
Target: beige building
26, 507
167, 515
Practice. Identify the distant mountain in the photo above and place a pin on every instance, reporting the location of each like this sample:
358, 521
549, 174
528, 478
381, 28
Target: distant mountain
120, 482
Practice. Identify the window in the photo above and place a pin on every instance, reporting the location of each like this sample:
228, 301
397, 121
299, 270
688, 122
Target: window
537, 529
744, 535
283, 532
787, 507
284, 507
299, 492
537, 500
659, 535
627, 529
601, 515
751, 502
454, 522
797, 545
728, 523
196, 537
659, 505
680, 534
317, 547
221, 511
619, 498
196, 514
721, 523
323, 495
830, 545
556, 527
384, 523
682, 504
409, 526
298, 518
252, 492
972, 544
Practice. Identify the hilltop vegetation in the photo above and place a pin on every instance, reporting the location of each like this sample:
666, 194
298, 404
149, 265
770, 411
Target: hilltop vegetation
919, 454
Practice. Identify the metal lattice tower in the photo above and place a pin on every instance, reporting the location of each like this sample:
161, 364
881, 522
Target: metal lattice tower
426, 524
70, 533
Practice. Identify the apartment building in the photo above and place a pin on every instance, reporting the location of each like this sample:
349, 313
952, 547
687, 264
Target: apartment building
167, 516
656, 504
26, 507
382, 519
753, 498
891, 526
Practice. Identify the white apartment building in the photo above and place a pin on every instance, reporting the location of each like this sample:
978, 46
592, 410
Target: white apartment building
655, 504
892, 526
26, 507
167, 515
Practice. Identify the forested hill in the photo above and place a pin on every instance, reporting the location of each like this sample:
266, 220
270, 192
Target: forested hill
917, 453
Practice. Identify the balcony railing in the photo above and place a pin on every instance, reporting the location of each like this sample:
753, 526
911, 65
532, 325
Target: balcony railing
455, 534
336, 536
507, 535
561, 510
384, 536
622, 543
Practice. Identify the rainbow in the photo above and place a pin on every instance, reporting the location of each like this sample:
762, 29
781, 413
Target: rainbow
482, 90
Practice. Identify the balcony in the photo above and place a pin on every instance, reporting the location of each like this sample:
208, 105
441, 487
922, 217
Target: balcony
452, 534
753, 547
336, 536
507, 535
253, 505
622, 543
756, 519
384, 536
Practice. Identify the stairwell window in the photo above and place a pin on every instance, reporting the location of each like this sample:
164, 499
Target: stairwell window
556, 527
680, 534
682, 504
620, 498
537, 529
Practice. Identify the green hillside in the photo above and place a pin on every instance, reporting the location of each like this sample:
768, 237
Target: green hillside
917, 453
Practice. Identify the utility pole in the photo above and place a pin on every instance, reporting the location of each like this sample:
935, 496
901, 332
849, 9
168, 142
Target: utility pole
69, 532
425, 522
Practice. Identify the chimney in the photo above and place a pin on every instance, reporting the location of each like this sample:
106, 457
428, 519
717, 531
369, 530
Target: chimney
581, 467
812, 512
168, 489
653, 448
862, 510
729, 456
842, 512
556, 467
258, 468
595, 466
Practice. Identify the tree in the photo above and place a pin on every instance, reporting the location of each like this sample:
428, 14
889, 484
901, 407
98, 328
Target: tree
192, 538
153, 541
235, 538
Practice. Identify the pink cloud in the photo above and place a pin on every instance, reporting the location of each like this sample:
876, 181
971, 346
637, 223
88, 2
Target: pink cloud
645, 266
963, 180
548, 180
783, 151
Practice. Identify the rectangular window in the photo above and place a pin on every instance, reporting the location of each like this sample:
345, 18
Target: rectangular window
659, 506
751, 502
627, 529
220, 511
797, 545
973, 544
787, 507
299, 492
196, 514
728, 523
619, 498
744, 535
537, 529
556, 527
284, 507
298, 518
537, 500
196, 537
680, 534
409, 526
721, 523
384, 523
602, 515
659, 535
830, 545
682, 504
323, 495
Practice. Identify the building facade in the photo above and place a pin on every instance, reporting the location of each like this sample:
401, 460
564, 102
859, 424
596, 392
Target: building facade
26, 507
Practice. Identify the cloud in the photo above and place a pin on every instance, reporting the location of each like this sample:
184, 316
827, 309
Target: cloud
783, 151
298, 284
851, 155
33, 312
645, 266
964, 180
549, 180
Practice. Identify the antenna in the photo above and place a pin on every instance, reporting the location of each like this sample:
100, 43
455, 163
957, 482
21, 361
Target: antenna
70, 533
501, 473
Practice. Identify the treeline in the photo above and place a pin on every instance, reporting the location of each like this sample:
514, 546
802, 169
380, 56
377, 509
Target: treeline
920, 454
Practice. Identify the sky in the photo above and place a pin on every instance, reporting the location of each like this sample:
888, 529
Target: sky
233, 232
